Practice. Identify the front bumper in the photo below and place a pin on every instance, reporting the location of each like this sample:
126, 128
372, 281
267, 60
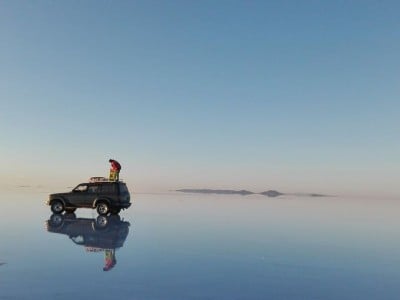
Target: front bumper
125, 205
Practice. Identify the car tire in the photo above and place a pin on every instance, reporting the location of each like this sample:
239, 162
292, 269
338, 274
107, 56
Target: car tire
57, 207
101, 222
56, 220
102, 208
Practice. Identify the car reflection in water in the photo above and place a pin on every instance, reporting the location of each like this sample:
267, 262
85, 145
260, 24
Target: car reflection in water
104, 234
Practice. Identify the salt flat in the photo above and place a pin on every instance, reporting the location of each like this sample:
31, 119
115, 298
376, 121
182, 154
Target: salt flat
193, 246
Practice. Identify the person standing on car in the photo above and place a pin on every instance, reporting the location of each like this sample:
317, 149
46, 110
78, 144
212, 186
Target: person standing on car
114, 170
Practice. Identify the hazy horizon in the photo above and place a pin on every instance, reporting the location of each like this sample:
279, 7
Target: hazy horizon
24, 186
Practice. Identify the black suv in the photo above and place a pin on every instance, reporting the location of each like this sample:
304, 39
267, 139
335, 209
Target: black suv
106, 196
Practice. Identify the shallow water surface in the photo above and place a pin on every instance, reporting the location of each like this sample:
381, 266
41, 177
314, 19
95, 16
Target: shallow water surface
194, 246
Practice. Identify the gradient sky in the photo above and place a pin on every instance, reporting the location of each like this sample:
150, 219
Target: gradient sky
299, 96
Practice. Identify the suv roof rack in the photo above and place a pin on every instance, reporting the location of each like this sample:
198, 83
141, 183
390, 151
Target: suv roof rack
98, 179
102, 179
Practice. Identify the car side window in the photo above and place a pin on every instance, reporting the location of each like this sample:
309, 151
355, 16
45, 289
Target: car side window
107, 188
81, 188
93, 189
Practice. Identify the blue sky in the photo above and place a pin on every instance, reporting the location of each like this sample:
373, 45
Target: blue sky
296, 96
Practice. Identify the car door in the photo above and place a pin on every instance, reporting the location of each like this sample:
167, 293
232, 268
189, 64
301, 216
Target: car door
93, 191
79, 195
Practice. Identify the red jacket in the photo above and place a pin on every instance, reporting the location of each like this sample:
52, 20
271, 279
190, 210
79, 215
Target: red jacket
115, 166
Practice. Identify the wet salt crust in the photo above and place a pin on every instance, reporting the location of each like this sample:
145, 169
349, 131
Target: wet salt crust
184, 246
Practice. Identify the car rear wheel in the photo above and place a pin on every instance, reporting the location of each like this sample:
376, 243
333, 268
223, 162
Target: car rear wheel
57, 207
103, 208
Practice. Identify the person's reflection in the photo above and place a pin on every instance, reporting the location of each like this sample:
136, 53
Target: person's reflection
103, 234
109, 259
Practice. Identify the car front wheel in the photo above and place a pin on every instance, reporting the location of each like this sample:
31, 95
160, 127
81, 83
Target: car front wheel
56, 220
101, 222
57, 207
102, 208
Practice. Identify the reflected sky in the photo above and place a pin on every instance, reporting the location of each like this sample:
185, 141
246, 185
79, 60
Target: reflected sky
191, 246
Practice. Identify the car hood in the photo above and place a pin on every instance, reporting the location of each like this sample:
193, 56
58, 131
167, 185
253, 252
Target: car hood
59, 194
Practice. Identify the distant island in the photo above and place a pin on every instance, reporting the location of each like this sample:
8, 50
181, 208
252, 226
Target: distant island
209, 191
272, 193
269, 193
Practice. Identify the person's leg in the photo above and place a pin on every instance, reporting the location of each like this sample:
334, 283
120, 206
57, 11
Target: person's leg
112, 175
116, 175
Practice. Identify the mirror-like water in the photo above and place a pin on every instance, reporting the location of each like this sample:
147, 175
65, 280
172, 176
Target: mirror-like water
193, 246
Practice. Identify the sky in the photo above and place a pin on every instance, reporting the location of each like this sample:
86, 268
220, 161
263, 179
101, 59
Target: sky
297, 96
